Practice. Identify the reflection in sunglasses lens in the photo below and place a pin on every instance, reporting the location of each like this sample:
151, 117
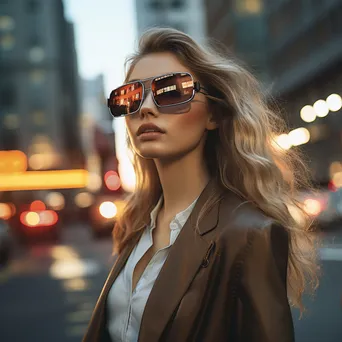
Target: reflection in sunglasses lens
126, 99
173, 89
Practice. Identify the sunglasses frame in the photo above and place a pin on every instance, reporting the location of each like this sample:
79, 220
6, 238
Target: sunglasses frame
196, 89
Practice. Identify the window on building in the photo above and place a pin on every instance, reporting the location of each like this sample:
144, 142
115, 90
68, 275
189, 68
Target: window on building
248, 6
7, 41
36, 54
284, 17
11, 121
7, 23
37, 76
7, 38
39, 118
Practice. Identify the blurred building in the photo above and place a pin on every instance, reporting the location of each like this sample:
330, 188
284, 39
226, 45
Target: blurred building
98, 138
305, 57
93, 99
185, 15
39, 100
240, 25
295, 47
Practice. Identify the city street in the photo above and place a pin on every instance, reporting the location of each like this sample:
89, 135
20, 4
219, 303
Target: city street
49, 291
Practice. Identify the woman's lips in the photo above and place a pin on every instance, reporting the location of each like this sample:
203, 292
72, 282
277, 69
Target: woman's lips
149, 127
146, 136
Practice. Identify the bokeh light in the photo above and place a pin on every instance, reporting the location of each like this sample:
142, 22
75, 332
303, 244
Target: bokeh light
334, 102
299, 136
108, 209
308, 114
321, 108
84, 199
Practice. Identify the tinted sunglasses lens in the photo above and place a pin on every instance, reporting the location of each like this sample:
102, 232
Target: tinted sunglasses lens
172, 89
126, 99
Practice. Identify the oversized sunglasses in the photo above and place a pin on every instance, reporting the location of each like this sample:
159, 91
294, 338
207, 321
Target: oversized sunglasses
167, 90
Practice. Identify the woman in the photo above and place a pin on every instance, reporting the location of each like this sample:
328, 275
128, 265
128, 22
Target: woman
206, 248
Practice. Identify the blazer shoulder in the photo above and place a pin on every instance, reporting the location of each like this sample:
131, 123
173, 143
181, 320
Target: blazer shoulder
241, 223
242, 215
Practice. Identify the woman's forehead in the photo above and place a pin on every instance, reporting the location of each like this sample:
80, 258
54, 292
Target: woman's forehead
156, 64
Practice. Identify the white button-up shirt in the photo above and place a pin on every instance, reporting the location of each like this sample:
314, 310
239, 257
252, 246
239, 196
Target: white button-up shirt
125, 308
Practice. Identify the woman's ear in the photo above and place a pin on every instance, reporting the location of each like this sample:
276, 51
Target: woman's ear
211, 124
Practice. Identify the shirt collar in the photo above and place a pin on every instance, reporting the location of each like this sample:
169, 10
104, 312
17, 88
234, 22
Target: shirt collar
155, 212
179, 219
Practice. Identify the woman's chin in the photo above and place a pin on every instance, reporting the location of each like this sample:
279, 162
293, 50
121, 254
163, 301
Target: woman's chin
150, 153
154, 153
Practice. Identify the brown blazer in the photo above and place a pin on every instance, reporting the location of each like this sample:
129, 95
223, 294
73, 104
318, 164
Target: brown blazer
225, 282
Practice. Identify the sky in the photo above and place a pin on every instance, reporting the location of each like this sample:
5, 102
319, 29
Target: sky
105, 33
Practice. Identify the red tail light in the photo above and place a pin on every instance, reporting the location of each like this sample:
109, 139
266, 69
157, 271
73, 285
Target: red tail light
42, 218
37, 205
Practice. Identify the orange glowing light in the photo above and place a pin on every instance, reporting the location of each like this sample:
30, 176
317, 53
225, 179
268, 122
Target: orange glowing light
12, 161
39, 180
312, 207
5, 211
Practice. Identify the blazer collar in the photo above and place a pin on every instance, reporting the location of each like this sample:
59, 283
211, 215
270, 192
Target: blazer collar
210, 220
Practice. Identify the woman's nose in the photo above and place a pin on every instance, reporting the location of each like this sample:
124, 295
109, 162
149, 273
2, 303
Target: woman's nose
148, 106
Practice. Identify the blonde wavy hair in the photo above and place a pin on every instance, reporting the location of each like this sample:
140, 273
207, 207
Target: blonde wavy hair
241, 154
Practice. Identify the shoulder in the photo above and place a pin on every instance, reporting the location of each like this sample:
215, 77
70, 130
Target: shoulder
241, 215
241, 222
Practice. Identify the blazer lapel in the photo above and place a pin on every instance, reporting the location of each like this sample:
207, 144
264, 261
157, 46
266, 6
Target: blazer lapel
181, 266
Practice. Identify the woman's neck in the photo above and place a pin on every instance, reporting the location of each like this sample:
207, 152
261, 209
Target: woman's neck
182, 182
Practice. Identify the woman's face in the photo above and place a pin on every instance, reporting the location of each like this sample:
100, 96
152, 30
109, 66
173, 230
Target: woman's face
184, 126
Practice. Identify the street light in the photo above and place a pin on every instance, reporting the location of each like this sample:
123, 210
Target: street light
334, 102
308, 114
321, 108
283, 141
299, 136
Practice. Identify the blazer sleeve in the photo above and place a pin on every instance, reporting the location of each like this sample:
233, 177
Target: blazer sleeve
266, 314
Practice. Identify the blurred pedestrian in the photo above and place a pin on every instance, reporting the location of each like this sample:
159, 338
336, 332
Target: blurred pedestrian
206, 248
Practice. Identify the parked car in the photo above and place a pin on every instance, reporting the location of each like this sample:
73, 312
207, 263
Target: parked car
5, 243
324, 206
33, 221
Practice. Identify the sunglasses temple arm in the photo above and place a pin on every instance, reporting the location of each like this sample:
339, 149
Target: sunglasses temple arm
198, 88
